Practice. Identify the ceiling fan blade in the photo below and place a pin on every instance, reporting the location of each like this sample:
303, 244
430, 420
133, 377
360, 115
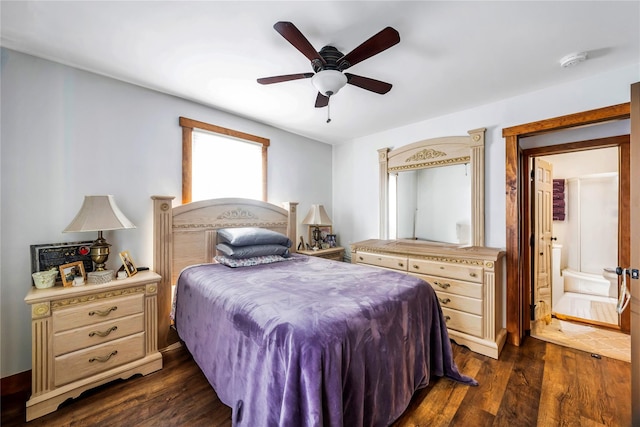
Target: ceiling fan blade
285, 78
373, 46
321, 100
369, 84
291, 33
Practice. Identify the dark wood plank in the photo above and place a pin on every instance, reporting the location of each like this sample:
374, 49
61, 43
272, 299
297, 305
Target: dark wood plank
536, 384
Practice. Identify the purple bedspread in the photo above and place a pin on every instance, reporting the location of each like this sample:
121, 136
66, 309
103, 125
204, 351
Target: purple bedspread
313, 342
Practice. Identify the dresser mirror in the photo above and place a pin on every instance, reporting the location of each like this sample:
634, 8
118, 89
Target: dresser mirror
433, 190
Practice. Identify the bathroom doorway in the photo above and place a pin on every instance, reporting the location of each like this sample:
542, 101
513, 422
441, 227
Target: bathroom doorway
588, 233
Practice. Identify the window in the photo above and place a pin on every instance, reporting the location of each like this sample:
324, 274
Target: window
219, 162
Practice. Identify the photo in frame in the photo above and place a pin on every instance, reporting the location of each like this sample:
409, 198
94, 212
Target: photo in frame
68, 273
325, 230
127, 261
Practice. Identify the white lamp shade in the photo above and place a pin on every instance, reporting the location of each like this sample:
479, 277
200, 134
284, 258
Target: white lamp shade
99, 213
317, 216
329, 82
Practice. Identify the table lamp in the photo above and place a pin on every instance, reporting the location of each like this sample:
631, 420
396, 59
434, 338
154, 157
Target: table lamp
316, 217
99, 213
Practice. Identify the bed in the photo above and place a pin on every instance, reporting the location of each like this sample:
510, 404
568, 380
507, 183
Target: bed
304, 341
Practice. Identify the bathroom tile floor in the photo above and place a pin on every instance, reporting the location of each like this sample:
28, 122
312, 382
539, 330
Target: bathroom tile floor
605, 342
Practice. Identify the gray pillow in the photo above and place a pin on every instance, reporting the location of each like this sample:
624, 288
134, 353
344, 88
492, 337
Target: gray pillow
251, 251
247, 236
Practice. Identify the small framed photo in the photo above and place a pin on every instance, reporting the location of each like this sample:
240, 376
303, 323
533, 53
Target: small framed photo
69, 272
127, 261
325, 230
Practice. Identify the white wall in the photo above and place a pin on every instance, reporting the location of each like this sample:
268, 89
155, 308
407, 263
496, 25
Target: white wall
355, 163
67, 133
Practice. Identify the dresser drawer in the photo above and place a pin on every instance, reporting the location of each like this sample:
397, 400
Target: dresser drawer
76, 339
387, 261
466, 304
89, 314
454, 271
84, 363
463, 322
452, 286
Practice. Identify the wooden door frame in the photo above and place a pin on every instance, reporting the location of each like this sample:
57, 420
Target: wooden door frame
517, 305
622, 142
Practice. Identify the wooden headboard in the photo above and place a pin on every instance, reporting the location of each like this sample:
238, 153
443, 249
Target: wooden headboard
186, 235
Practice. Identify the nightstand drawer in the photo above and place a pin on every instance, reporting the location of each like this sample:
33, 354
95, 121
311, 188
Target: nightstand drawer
463, 322
462, 272
76, 339
466, 304
84, 363
458, 287
387, 261
89, 314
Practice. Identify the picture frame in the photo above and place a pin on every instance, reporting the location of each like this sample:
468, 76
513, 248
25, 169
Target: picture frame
48, 256
68, 272
325, 230
127, 262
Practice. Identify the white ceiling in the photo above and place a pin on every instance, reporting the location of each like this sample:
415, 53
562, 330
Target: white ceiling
452, 55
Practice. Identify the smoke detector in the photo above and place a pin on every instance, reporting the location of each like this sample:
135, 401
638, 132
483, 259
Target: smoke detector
573, 59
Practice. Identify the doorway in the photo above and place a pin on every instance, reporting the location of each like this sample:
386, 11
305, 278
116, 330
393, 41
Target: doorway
577, 222
518, 269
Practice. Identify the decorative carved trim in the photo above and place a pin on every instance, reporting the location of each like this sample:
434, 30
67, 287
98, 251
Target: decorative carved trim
280, 224
488, 264
40, 310
59, 304
164, 207
475, 262
452, 161
427, 153
152, 288
238, 213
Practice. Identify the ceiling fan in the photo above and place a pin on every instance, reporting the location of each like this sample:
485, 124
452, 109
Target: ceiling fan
329, 63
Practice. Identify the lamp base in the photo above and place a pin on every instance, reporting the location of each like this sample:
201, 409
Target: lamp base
99, 252
317, 235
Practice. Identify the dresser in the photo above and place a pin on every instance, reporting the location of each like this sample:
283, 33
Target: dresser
467, 282
336, 253
89, 335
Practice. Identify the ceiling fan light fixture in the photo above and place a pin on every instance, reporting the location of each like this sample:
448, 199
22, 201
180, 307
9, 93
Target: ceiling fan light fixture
329, 82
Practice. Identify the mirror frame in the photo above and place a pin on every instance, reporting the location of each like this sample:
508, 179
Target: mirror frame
436, 152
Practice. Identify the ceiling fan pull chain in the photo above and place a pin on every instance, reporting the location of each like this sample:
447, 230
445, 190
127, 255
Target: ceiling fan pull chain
329, 113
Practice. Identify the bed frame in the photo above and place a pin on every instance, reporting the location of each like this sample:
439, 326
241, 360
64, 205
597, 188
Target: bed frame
185, 235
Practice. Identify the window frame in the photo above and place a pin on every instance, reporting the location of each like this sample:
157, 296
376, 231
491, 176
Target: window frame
188, 125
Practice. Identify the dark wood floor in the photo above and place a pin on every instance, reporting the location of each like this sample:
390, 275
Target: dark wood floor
537, 384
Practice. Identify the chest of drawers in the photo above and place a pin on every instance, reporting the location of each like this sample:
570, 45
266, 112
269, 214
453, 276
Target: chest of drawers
89, 335
467, 282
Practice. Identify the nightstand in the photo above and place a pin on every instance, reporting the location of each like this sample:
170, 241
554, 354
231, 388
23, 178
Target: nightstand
336, 253
89, 335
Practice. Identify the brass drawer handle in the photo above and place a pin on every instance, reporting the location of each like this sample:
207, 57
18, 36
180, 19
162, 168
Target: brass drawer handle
444, 300
447, 318
472, 274
103, 358
400, 264
103, 313
360, 258
105, 333
417, 267
442, 285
